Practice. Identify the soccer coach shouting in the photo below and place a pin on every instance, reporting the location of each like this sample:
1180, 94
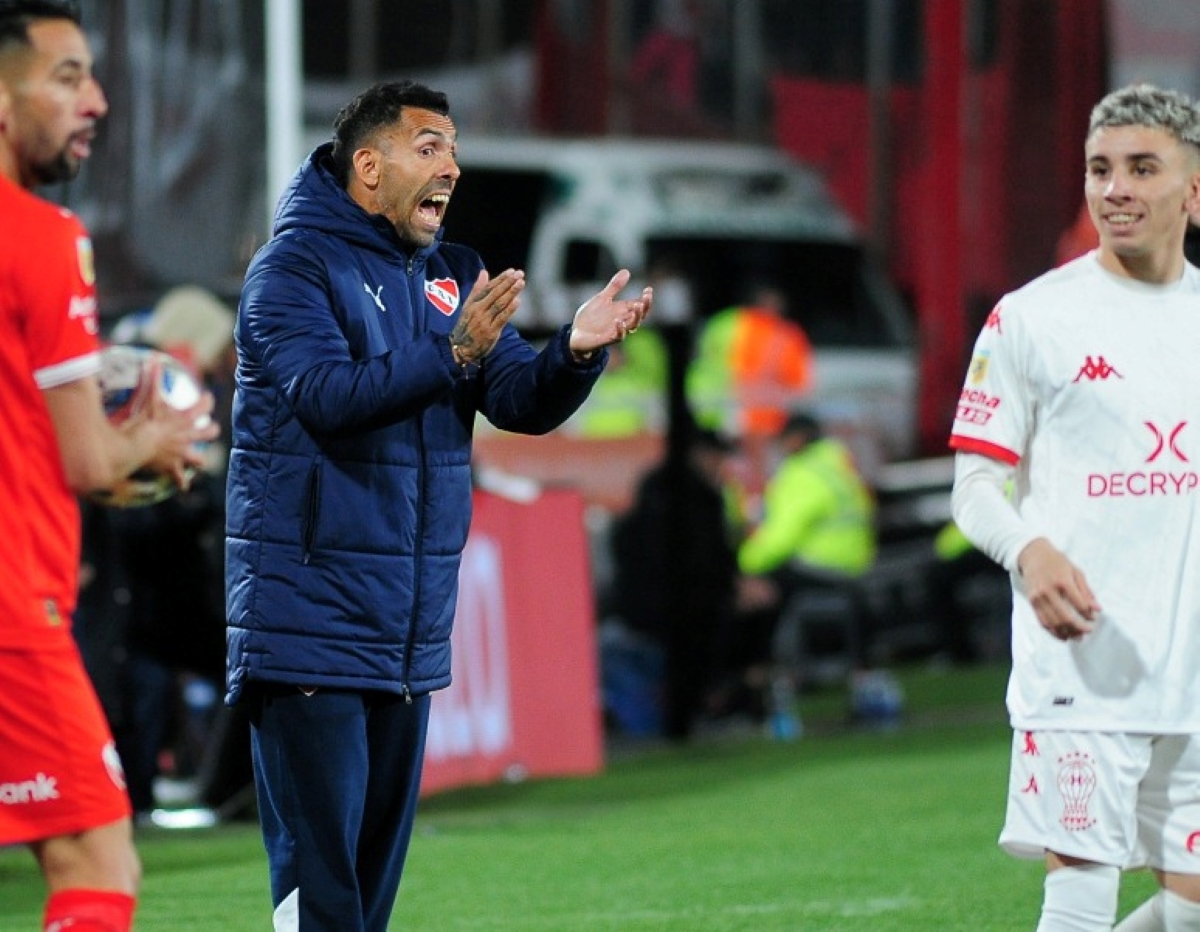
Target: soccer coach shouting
366, 346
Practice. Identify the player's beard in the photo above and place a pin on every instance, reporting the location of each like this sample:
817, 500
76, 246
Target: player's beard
62, 167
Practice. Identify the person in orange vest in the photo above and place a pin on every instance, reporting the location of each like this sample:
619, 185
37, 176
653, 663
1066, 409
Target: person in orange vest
751, 365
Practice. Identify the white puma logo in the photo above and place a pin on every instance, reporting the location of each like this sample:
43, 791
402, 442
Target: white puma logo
375, 296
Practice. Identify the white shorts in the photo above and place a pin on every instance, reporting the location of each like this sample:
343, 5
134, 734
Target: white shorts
1127, 800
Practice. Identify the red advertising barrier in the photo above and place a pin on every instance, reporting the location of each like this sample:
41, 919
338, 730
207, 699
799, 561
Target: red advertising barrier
525, 701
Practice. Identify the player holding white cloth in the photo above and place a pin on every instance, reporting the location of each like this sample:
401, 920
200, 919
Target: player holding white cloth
1078, 469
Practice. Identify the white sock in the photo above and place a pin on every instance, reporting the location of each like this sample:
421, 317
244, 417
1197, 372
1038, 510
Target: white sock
1080, 899
1146, 918
1179, 914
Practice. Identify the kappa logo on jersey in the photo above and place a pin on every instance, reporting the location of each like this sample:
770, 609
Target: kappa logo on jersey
39, 789
993, 321
1076, 784
1096, 370
1164, 481
1170, 440
443, 294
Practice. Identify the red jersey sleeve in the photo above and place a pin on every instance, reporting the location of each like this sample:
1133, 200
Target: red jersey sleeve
57, 286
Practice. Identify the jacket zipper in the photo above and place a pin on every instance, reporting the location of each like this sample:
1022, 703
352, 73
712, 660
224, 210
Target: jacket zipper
418, 302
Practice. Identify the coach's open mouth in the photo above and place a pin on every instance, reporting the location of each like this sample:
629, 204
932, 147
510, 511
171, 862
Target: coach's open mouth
433, 209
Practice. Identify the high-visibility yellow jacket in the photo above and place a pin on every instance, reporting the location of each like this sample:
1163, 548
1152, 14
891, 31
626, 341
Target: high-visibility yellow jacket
633, 389
817, 511
951, 543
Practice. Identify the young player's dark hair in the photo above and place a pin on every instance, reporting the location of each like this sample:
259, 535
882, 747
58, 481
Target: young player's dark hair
375, 108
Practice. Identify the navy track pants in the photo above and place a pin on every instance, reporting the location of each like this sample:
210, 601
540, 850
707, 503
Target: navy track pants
337, 775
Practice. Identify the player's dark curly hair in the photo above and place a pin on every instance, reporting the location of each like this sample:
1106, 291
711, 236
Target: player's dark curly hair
375, 108
16, 15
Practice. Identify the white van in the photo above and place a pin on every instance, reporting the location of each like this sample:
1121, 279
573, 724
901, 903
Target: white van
571, 212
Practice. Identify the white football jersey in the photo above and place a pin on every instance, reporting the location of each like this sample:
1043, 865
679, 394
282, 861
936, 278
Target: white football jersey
1089, 384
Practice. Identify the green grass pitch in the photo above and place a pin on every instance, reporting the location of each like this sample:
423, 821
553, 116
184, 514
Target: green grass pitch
843, 830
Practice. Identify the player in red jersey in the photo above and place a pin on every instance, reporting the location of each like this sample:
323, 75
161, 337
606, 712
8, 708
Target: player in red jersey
61, 786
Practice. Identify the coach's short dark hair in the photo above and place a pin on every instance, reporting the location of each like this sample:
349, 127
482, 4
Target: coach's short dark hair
375, 108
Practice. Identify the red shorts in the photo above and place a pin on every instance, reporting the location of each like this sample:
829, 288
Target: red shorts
59, 770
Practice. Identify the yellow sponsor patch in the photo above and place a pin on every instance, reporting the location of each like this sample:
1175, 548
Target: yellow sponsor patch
87, 260
978, 369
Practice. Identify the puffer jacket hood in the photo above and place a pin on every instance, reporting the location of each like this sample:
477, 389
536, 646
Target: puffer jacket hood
315, 201
349, 491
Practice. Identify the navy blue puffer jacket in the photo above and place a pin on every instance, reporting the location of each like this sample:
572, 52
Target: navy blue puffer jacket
349, 491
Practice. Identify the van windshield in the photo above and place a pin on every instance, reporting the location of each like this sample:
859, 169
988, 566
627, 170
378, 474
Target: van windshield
831, 289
